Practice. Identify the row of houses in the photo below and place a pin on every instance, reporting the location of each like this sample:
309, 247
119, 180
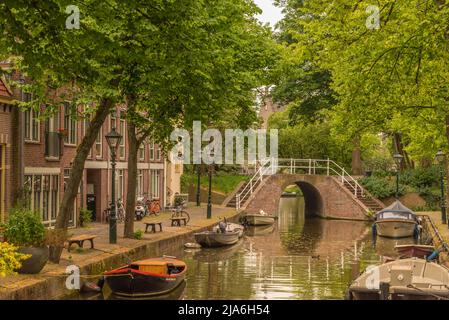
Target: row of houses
36, 157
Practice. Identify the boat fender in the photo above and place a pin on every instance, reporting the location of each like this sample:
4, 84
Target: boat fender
433, 256
416, 232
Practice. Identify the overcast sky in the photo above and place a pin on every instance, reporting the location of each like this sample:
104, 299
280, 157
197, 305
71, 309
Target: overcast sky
271, 14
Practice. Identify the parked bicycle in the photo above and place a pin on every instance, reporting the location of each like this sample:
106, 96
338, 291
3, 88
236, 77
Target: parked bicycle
180, 212
120, 211
154, 206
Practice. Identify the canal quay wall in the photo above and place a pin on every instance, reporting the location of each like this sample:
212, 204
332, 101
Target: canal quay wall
51, 282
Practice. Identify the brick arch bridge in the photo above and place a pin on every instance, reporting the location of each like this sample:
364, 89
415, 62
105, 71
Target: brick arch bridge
329, 192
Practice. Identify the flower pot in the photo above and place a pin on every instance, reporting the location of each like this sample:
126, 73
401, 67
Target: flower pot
37, 261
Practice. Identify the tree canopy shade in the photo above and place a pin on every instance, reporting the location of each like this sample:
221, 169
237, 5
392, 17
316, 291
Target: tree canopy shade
171, 62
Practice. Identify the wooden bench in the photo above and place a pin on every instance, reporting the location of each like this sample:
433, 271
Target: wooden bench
79, 240
177, 221
153, 226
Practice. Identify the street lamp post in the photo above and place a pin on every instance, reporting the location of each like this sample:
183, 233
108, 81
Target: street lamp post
209, 196
198, 187
398, 160
113, 138
440, 156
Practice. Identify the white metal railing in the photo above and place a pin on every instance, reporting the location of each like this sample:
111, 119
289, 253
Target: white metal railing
272, 166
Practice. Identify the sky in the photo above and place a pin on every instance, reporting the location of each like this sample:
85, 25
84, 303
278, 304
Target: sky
271, 14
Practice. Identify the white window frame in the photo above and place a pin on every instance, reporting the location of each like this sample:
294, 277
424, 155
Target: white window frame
53, 196
33, 121
142, 152
139, 186
152, 150
155, 177
99, 144
70, 125
122, 145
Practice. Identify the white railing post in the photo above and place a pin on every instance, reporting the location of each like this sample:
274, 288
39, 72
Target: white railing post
310, 166
328, 167
291, 166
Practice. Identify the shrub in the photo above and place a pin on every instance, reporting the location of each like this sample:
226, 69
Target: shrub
381, 187
24, 228
138, 235
10, 259
85, 217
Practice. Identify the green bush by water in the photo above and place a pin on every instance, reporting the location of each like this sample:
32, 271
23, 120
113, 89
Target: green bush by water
24, 228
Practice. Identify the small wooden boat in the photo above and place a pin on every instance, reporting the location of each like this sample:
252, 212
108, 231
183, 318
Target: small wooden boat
414, 250
259, 219
231, 227
396, 221
403, 279
146, 278
211, 239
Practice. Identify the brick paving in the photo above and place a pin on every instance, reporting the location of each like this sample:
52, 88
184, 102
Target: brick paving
104, 250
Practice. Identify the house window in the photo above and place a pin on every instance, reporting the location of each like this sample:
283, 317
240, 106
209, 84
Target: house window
139, 190
43, 195
151, 150
113, 120
99, 144
122, 141
52, 142
70, 123
158, 152
142, 152
31, 121
32, 125
155, 180
119, 184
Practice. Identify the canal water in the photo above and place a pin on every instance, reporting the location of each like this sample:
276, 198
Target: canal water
298, 258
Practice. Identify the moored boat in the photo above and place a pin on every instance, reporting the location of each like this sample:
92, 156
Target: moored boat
403, 279
414, 250
231, 227
212, 239
396, 221
145, 278
259, 219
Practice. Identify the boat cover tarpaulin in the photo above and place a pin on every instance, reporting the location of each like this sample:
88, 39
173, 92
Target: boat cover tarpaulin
396, 206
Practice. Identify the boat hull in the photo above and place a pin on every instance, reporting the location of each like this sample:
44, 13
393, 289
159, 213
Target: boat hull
231, 227
136, 284
259, 220
210, 239
395, 228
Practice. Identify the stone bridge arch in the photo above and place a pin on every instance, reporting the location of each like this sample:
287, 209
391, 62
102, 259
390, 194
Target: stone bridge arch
324, 196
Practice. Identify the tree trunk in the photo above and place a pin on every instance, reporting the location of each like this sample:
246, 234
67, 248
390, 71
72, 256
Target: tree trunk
446, 162
133, 144
399, 146
76, 174
356, 165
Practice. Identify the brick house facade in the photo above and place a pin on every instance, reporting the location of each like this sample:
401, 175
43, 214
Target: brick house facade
6, 140
49, 147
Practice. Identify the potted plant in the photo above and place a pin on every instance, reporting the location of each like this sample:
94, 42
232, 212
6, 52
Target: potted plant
25, 230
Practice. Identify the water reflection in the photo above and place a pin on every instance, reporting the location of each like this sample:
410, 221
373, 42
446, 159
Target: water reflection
299, 258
